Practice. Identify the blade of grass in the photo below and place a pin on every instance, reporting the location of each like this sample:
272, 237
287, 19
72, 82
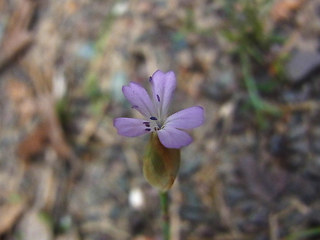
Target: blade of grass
304, 234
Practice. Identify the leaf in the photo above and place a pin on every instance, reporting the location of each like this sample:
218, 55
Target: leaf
160, 164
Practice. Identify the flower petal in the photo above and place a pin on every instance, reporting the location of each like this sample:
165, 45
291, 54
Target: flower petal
174, 138
139, 98
163, 85
187, 118
131, 127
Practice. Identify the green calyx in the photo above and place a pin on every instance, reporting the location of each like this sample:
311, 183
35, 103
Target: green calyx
160, 164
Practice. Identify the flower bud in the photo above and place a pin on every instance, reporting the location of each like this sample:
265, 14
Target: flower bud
160, 164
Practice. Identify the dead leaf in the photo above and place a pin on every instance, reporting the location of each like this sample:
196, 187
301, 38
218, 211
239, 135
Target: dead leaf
34, 143
282, 9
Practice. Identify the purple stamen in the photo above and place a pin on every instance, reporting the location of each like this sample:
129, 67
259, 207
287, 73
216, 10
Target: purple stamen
147, 124
150, 79
135, 106
154, 118
148, 129
158, 98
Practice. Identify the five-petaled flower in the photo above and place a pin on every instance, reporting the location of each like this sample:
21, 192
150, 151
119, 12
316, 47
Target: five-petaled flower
169, 129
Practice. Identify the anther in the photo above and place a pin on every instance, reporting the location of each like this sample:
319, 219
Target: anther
150, 79
148, 129
154, 118
135, 106
147, 124
158, 98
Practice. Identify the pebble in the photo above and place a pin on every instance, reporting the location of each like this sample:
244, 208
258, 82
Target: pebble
34, 227
222, 88
302, 64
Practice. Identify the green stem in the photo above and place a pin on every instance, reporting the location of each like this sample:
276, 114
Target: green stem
258, 104
165, 215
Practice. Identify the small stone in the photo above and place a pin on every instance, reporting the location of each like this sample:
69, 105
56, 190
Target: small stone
223, 88
120, 8
302, 64
32, 226
301, 146
297, 132
136, 198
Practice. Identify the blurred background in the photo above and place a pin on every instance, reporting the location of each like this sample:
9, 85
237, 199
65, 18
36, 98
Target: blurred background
253, 171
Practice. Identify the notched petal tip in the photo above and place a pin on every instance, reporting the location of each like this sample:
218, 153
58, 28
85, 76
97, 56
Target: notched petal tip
158, 74
188, 118
158, 71
124, 89
135, 84
163, 75
171, 75
202, 114
114, 121
163, 86
117, 122
129, 86
139, 98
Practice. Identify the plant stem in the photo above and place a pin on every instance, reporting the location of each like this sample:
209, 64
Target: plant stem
259, 105
165, 215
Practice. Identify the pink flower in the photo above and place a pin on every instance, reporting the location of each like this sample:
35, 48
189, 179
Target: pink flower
155, 112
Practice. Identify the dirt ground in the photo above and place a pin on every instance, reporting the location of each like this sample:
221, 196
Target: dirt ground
253, 170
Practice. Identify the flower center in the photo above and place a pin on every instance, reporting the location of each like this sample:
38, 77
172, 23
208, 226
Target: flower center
154, 125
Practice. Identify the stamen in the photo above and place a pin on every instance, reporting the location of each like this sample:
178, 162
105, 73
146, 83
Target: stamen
135, 106
158, 98
148, 129
154, 118
155, 128
147, 124
150, 79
